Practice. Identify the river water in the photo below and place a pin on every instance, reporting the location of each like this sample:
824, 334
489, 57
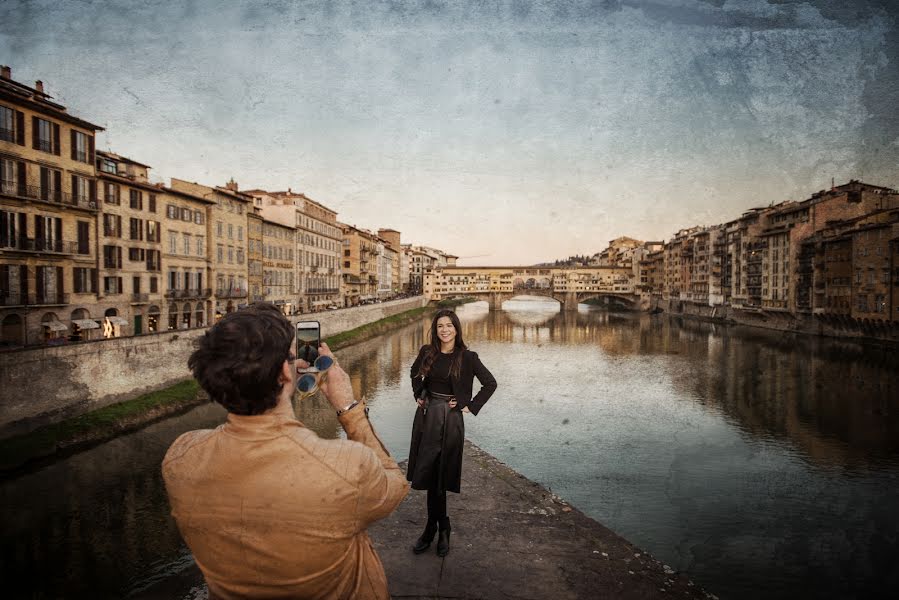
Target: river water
761, 464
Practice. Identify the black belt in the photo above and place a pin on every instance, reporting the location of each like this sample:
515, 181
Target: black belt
443, 397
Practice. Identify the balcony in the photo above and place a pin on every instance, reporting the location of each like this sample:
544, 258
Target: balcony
46, 299
322, 290
35, 192
139, 298
231, 293
13, 299
194, 293
42, 245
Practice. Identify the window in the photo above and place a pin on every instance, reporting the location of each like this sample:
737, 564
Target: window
12, 229
218, 229
136, 198
82, 147
154, 285
80, 190
84, 280
112, 225
45, 135
112, 257
186, 215
51, 184
152, 203
240, 256
346, 264
186, 238
173, 242
230, 255
8, 124
12, 177
84, 237
153, 231
230, 231
346, 253
173, 280
107, 166
154, 260
137, 229
198, 217
219, 253
200, 249
171, 211
239, 233
112, 285
48, 233
111, 193
136, 254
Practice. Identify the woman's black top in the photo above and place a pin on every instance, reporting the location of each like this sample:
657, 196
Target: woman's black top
439, 377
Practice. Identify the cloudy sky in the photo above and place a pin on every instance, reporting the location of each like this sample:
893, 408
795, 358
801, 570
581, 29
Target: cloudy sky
506, 132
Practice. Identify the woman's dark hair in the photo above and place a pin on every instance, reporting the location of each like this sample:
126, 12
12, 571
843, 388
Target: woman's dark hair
238, 361
434, 346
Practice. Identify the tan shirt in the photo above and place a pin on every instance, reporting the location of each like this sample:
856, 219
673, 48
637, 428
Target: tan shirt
269, 509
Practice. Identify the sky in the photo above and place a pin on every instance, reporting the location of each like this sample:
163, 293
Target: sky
507, 133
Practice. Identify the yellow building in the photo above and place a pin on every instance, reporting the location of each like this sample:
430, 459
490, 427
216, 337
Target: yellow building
186, 259
227, 235
278, 246
129, 290
255, 241
359, 265
48, 218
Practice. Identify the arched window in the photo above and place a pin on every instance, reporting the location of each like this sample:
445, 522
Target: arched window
153, 318
173, 316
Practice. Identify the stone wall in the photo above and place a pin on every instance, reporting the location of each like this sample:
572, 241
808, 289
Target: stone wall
44, 385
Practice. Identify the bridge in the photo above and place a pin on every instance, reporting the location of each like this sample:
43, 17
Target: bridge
567, 286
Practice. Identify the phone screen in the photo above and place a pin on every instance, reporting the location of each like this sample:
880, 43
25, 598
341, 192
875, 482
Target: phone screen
308, 340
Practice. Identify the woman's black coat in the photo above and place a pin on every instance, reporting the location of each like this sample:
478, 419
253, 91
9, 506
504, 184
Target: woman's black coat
422, 454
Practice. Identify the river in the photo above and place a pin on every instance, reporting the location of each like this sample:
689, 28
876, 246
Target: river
761, 464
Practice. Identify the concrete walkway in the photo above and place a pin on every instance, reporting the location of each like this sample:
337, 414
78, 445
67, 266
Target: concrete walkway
511, 539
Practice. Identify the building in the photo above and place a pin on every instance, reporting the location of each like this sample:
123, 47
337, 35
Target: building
359, 266
227, 235
255, 255
394, 252
186, 259
130, 242
279, 265
318, 243
48, 218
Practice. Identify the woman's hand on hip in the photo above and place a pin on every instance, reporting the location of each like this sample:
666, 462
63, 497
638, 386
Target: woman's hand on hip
420, 401
452, 403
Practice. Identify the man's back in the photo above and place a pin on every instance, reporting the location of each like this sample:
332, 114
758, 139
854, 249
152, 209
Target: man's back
271, 510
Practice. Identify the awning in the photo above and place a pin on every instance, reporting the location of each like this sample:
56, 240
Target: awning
120, 321
55, 326
86, 323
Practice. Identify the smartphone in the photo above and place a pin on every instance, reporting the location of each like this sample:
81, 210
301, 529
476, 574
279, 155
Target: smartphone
309, 338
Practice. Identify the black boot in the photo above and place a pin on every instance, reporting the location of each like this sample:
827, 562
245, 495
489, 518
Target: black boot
424, 541
443, 544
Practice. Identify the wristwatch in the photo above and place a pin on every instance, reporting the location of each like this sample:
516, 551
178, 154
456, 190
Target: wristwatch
348, 408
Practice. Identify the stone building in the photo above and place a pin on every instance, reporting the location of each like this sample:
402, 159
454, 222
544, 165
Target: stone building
279, 265
129, 292
186, 263
394, 253
359, 265
48, 218
255, 255
227, 235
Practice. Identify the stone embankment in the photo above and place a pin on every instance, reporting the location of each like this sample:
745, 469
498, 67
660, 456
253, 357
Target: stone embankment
40, 386
837, 326
511, 539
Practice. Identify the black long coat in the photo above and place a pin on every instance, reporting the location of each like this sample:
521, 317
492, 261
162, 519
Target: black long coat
438, 435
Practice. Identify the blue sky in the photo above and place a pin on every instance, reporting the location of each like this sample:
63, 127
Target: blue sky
509, 132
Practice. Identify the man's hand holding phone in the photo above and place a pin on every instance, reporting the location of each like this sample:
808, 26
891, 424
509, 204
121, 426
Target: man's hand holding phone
336, 387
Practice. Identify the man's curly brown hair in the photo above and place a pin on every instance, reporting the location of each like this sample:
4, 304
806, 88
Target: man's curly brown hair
238, 361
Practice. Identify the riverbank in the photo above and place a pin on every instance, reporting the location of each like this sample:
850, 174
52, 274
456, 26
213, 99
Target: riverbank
70, 435
834, 326
512, 538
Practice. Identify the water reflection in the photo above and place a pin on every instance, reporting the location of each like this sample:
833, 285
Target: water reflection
762, 463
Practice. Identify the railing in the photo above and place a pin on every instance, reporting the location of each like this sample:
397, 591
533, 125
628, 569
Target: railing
138, 297
231, 293
47, 299
26, 244
36, 192
13, 299
322, 290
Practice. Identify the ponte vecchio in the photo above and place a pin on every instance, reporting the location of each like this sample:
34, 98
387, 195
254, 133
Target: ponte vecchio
567, 285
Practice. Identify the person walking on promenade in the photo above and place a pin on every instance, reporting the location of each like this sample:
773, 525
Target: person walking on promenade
269, 509
442, 380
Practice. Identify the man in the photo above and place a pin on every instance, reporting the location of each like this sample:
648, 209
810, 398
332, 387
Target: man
267, 507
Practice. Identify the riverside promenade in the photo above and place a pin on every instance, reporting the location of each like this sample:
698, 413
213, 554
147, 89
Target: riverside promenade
512, 540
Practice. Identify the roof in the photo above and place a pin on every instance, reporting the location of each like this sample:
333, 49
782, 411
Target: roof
32, 99
120, 158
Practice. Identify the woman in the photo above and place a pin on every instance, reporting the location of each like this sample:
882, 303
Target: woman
442, 378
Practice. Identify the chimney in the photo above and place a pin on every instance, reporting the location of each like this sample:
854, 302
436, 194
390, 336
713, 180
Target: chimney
231, 185
39, 86
5, 72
